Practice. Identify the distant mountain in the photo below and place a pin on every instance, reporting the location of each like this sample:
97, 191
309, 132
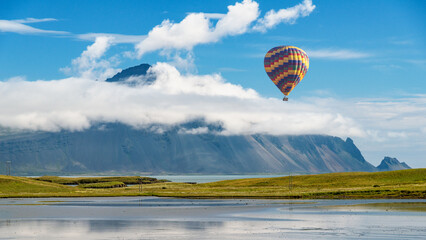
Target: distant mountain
391, 164
118, 148
121, 149
138, 71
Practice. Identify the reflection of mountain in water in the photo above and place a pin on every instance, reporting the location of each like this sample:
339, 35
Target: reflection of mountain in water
102, 229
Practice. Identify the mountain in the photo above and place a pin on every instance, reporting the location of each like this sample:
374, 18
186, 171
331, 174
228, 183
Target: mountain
138, 71
122, 149
117, 148
391, 164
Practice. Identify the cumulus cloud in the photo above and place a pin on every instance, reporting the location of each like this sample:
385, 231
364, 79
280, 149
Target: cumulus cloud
238, 19
341, 54
176, 98
17, 79
196, 28
90, 64
183, 62
19, 26
288, 15
172, 82
192, 30
214, 15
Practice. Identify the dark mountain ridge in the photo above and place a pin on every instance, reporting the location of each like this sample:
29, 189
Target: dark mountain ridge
137, 71
391, 164
120, 148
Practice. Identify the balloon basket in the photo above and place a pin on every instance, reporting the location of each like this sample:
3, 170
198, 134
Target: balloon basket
285, 99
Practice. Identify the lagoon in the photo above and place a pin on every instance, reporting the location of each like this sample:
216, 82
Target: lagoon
211, 178
172, 218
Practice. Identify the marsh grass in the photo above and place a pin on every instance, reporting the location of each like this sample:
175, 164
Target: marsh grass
103, 185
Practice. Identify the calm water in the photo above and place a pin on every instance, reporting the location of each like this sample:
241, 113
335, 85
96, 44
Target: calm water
209, 178
169, 218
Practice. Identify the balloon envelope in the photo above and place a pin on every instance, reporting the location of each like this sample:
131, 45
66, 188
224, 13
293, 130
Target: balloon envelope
286, 66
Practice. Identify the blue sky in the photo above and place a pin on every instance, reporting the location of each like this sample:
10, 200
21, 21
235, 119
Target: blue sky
367, 59
389, 34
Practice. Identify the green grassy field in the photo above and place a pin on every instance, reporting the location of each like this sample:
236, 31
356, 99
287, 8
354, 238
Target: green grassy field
354, 185
103, 185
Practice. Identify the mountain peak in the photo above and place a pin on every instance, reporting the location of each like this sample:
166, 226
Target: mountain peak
136, 71
390, 164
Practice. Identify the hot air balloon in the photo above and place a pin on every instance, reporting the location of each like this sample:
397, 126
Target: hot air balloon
286, 66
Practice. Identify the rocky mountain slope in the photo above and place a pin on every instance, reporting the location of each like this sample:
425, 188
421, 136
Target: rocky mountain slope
120, 148
391, 164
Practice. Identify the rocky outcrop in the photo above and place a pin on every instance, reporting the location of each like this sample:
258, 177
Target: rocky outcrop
391, 164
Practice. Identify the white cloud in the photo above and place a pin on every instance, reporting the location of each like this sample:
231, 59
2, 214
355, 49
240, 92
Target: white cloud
213, 15
394, 128
172, 82
18, 26
35, 20
192, 30
397, 134
176, 98
196, 28
16, 79
90, 64
114, 38
75, 103
288, 15
97, 49
199, 130
388, 116
378, 126
337, 54
238, 19
185, 63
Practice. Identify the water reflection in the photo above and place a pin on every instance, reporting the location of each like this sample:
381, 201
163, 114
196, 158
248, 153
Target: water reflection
168, 218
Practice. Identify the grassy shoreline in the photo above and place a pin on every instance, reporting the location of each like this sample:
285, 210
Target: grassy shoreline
403, 184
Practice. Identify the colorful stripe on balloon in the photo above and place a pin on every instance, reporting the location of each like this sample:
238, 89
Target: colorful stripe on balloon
286, 66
